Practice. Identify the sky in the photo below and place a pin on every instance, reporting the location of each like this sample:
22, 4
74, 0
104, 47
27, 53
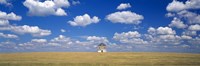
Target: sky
80, 25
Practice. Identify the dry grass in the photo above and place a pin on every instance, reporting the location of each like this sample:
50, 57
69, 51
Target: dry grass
99, 59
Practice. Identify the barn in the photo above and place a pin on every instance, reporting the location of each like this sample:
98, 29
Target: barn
101, 47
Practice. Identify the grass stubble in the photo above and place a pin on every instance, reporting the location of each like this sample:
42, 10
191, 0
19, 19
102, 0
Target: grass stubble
99, 59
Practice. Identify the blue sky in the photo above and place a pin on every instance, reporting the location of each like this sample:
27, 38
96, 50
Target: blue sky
79, 25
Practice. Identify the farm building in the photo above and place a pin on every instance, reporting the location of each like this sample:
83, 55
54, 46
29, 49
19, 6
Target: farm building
102, 47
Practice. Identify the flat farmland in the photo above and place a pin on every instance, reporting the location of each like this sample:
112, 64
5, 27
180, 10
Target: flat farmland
99, 59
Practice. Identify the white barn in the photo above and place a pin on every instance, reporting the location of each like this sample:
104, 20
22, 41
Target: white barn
101, 47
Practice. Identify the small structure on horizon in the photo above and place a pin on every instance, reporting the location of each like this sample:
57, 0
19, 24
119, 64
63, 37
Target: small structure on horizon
102, 47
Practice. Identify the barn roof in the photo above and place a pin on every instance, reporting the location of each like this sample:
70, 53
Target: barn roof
102, 44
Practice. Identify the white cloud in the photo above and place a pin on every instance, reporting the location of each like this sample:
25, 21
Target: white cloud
170, 14
194, 41
151, 30
96, 39
186, 37
60, 12
168, 37
193, 4
123, 6
4, 22
184, 12
64, 43
131, 37
129, 34
75, 2
5, 2
195, 27
165, 30
177, 23
161, 30
8, 35
48, 7
10, 16
176, 6
63, 30
39, 40
8, 44
163, 39
191, 17
4, 18
190, 33
84, 20
185, 46
61, 3
62, 39
126, 17
33, 30
162, 35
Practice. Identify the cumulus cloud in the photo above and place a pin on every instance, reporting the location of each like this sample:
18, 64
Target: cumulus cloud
5, 2
48, 7
193, 4
25, 29
38, 32
163, 39
170, 14
63, 30
8, 35
62, 42
191, 17
39, 40
123, 6
131, 37
162, 35
4, 22
126, 17
60, 12
186, 37
4, 18
33, 30
76, 2
96, 39
185, 46
165, 30
195, 27
84, 20
183, 11
151, 30
177, 23
176, 6
7, 44
9, 16
189, 32
161, 30
62, 39
195, 41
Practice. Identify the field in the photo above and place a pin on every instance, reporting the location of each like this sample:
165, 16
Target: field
99, 59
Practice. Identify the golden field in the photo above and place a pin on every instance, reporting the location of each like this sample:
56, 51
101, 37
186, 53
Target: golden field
99, 59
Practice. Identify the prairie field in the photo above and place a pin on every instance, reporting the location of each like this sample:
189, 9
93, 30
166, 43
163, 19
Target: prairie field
99, 59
